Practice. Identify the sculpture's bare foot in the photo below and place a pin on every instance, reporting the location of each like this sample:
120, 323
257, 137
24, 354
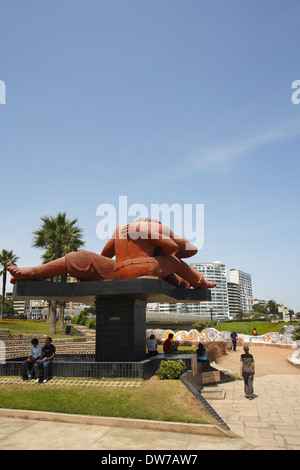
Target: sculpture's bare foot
17, 273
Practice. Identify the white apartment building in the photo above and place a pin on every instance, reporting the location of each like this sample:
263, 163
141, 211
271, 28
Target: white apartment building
244, 281
218, 307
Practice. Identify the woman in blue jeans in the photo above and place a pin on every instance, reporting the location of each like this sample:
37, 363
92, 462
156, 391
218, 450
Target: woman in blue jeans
48, 353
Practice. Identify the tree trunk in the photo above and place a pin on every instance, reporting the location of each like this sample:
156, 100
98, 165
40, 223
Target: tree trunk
3, 293
61, 320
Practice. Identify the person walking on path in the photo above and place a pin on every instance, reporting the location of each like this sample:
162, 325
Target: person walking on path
247, 370
233, 337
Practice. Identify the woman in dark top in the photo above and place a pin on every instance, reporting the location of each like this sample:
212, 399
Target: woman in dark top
247, 372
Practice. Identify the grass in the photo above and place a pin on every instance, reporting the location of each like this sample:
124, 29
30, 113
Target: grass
246, 328
28, 327
165, 400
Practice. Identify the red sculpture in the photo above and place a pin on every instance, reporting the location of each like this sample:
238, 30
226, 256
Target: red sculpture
143, 247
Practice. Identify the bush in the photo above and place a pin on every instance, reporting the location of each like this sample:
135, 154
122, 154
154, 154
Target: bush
215, 350
202, 325
75, 320
296, 334
83, 320
170, 369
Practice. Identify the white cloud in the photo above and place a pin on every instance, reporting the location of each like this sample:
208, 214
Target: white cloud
220, 157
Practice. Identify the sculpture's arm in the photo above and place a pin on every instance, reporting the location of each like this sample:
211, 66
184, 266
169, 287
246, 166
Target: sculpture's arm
186, 248
109, 249
154, 234
162, 237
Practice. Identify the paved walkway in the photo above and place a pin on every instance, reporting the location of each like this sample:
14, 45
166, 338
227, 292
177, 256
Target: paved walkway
272, 419
16, 434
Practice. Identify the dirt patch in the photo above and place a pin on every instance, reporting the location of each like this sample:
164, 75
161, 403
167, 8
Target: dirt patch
269, 360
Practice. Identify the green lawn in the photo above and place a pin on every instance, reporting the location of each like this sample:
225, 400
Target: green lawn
246, 328
166, 400
29, 327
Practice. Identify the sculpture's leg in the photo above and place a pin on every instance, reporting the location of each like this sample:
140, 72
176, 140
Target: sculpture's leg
177, 281
195, 278
48, 270
171, 264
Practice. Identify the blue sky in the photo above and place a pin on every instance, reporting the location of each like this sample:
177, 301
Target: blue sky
164, 101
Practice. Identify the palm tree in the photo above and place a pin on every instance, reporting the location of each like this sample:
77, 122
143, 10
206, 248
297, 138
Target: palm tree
5, 257
57, 236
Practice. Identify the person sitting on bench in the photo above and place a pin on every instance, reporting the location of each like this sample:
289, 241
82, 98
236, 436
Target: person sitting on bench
168, 345
201, 354
35, 353
48, 353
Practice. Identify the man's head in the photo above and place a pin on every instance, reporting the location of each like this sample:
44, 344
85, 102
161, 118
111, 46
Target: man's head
48, 341
34, 341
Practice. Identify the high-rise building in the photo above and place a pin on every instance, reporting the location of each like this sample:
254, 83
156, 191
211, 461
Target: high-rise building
217, 308
234, 299
244, 281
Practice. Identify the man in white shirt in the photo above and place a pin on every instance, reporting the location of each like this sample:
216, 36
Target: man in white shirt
34, 354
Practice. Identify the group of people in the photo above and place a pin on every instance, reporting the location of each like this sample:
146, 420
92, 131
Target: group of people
247, 365
39, 360
170, 348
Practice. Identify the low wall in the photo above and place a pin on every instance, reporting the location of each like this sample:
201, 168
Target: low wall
84, 365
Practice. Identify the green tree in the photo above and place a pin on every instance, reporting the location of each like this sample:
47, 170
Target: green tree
272, 307
5, 257
57, 236
260, 309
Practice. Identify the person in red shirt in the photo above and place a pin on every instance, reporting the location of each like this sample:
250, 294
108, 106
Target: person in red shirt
168, 345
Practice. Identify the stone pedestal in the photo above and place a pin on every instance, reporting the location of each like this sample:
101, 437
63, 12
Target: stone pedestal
120, 329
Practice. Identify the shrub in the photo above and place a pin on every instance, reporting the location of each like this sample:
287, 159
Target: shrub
83, 320
171, 369
202, 325
215, 350
296, 334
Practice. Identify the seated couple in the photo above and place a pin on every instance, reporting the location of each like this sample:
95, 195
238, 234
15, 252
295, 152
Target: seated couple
39, 358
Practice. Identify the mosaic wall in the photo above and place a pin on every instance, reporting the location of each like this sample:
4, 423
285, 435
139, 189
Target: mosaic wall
284, 336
